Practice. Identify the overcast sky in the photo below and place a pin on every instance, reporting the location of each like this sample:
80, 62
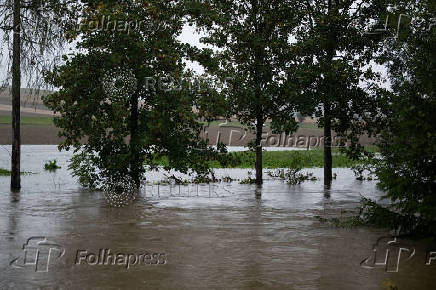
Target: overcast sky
189, 35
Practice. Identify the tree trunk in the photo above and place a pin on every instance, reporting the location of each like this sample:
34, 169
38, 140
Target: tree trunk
135, 160
331, 51
258, 60
259, 166
327, 148
16, 84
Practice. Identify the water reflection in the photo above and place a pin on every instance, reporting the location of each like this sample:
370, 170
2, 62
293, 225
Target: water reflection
258, 192
327, 190
14, 212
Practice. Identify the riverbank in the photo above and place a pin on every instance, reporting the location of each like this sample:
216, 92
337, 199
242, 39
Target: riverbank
313, 158
274, 160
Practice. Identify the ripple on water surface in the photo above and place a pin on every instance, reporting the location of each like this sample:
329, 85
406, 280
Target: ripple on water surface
217, 236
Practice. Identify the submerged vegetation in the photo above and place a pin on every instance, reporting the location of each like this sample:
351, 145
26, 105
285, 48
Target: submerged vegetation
278, 159
293, 176
51, 165
373, 214
4, 172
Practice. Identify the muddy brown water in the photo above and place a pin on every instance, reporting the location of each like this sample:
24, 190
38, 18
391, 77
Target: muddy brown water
227, 236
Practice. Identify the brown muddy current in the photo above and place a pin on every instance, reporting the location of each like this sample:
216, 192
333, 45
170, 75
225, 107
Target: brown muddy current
54, 235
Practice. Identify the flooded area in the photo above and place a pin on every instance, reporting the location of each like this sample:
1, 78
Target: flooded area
225, 235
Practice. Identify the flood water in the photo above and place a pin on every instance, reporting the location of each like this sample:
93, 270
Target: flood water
223, 236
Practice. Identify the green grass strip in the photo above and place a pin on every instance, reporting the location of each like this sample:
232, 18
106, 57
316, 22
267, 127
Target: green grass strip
27, 120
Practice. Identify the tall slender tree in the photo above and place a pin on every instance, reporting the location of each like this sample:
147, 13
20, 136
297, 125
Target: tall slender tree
333, 73
251, 38
37, 34
16, 106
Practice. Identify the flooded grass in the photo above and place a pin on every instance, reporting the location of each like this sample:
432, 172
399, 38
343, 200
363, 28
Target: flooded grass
27, 120
4, 172
282, 159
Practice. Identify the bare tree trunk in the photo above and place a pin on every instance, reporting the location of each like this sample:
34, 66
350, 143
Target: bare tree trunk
327, 147
258, 56
331, 51
135, 160
16, 84
259, 166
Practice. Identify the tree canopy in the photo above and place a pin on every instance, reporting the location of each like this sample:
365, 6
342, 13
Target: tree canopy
333, 75
112, 96
407, 170
252, 54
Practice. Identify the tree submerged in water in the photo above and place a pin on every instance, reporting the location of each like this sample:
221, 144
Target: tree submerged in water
407, 170
253, 56
112, 112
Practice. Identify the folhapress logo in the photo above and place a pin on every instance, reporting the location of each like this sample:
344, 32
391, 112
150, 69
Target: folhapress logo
106, 257
38, 253
387, 253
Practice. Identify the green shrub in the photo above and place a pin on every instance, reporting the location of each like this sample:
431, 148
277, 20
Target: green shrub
51, 165
4, 172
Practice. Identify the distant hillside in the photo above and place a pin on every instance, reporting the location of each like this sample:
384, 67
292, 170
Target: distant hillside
30, 98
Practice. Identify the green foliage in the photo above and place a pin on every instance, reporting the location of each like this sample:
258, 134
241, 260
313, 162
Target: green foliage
204, 179
331, 75
407, 171
253, 54
293, 176
372, 214
4, 172
253, 41
111, 96
369, 213
227, 179
248, 180
366, 169
51, 165
274, 159
291, 159
348, 222
85, 167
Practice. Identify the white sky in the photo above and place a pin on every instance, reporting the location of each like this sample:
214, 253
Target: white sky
189, 35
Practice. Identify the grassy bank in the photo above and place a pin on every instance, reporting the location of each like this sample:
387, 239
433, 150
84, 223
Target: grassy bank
27, 120
4, 172
282, 159
287, 159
